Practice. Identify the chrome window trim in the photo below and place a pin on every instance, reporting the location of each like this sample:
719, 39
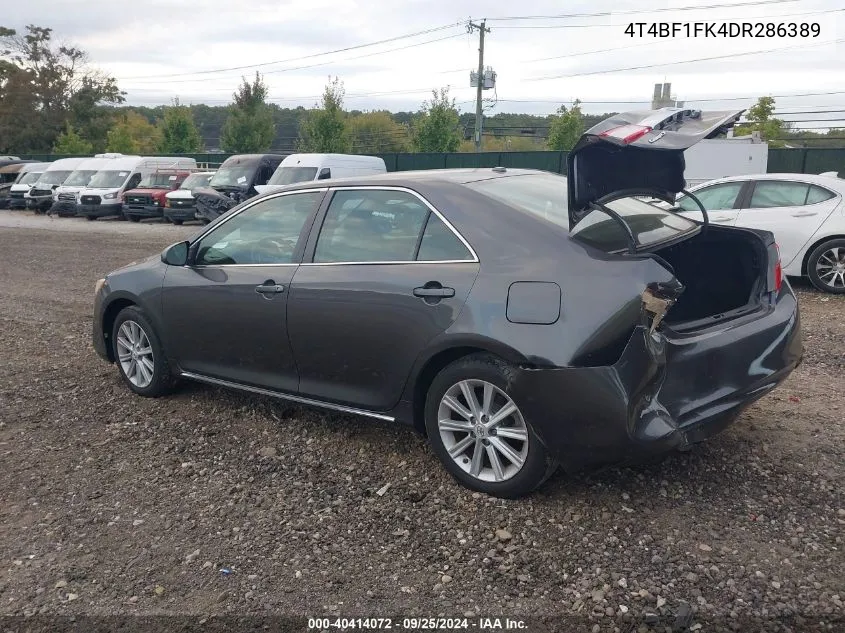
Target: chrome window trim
250, 204
277, 394
431, 208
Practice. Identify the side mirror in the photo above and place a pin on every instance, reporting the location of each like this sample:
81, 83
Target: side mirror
176, 254
325, 173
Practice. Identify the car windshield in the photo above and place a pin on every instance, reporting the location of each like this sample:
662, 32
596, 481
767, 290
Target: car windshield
109, 179
80, 178
290, 175
30, 177
53, 177
196, 180
158, 181
234, 175
545, 196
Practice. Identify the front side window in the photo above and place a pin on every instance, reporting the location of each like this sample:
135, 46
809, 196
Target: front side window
779, 193
715, 198
265, 233
371, 226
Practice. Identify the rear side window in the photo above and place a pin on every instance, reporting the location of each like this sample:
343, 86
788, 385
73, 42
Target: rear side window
439, 243
384, 226
775, 193
818, 194
715, 198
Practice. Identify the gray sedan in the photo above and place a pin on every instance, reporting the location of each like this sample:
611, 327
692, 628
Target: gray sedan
521, 319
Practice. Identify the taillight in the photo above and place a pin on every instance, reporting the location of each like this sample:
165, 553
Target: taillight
778, 271
627, 133
775, 276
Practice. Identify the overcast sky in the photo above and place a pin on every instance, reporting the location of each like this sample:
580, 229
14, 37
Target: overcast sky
540, 62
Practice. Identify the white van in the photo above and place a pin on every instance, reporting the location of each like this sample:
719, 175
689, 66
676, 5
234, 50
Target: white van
40, 197
104, 194
305, 167
64, 197
27, 177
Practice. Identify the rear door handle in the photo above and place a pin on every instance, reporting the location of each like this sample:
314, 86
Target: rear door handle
269, 289
434, 292
721, 220
804, 214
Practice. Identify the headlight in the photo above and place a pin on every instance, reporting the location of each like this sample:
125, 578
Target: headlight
110, 196
99, 286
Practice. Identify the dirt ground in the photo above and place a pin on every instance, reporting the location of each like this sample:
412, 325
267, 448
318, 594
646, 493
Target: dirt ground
214, 502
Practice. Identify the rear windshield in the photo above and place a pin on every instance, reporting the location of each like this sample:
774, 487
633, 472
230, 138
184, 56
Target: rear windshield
290, 175
545, 196
80, 178
53, 177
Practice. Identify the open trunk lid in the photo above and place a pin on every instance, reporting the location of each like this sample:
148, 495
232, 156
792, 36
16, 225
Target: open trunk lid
638, 152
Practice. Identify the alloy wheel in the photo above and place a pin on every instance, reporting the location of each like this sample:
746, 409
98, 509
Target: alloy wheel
135, 354
483, 430
830, 267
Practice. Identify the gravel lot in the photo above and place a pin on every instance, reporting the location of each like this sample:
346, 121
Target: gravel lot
113, 504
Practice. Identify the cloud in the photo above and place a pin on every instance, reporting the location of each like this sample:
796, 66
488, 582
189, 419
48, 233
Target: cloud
143, 45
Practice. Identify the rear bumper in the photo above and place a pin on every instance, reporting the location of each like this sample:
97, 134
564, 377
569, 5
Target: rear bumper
99, 210
666, 391
146, 211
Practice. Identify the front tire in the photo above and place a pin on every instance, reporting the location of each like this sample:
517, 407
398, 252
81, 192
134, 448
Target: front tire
139, 354
826, 266
479, 433
177, 222
133, 218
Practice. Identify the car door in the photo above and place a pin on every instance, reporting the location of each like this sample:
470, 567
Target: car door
792, 210
384, 274
719, 200
226, 310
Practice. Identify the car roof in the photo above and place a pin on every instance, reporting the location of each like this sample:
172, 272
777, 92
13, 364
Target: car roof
422, 176
831, 182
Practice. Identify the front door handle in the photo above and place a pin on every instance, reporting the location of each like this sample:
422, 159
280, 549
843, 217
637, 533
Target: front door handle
434, 292
804, 214
269, 288
721, 220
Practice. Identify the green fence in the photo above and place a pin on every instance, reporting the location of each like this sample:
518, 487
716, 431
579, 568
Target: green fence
796, 160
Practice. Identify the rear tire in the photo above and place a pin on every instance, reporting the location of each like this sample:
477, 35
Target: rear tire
826, 266
90, 218
139, 355
501, 457
177, 222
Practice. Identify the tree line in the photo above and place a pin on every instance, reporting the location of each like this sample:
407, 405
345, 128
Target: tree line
53, 100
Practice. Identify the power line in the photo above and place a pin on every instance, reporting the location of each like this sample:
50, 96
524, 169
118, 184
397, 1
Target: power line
686, 61
296, 59
560, 16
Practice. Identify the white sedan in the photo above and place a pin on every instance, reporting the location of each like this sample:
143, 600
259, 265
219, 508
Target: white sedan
805, 212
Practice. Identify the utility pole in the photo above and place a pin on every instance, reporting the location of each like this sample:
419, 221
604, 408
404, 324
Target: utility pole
482, 29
